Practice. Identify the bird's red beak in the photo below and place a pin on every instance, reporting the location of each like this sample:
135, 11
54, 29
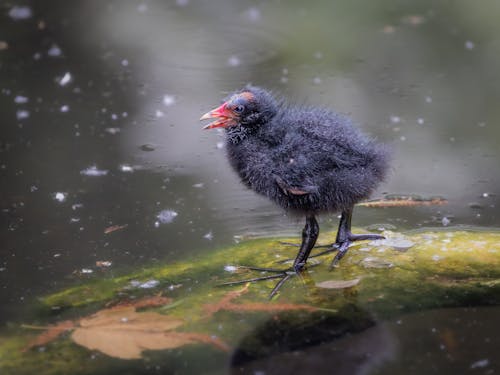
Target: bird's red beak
225, 117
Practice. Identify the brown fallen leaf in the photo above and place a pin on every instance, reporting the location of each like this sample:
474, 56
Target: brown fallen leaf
226, 304
122, 332
51, 333
150, 301
114, 228
337, 284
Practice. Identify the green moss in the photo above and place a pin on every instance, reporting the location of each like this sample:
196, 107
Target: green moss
442, 269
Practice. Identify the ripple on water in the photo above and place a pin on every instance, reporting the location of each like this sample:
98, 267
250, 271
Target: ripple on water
225, 46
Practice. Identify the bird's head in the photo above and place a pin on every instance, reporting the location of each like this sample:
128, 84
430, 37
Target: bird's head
249, 107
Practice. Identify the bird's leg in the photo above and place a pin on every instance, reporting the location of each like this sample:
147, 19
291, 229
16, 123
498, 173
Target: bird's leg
345, 237
309, 236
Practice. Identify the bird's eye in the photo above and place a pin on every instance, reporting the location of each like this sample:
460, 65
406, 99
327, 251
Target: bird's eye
239, 108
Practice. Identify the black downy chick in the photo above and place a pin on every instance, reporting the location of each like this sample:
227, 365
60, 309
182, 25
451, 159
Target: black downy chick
307, 160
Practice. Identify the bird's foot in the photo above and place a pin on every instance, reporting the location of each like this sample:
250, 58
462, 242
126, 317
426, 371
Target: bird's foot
282, 275
342, 246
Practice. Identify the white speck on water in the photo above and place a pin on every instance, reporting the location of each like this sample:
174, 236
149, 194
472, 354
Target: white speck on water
166, 217
182, 3
469, 45
445, 221
253, 14
60, 197
234, 61
199, 185
124, 114
481, 363
420, 121
395, 119
230, 268
114, 116
22, 114
168, 100
54, 51
403, 138
66, 78
19, 99
76, 206
318, 55
142, 8
481, 124
56, 255
86, 270
428, 99
208, 236
124, 62
64, 108
220, 145
2, 269
159, 114
112, 130
93, 171
485, 195
317, 80
33, 188
74, 220
284, 71
284, 79
20, 12
126, 168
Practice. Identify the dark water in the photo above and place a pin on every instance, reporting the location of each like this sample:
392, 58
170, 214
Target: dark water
120, 85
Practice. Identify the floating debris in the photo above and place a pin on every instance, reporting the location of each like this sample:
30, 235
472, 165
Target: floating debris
481, 363
93, 171
168, 100
114, 228
86, 270
404, 201
469, 45
20, 12
395, 119
112, 130
3, 45
19, 99
54, 51
199, 185
209, 236
22, 114
337, 284
64, 108
103, 263
233, 61
147, 147
124, 62
66, 78
159, 114
374, 262
126, 168
166, 217
60, 197
445, 221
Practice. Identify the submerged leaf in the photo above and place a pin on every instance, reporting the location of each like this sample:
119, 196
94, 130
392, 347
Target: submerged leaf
52, 332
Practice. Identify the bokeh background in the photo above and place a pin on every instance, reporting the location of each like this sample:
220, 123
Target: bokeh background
100, 102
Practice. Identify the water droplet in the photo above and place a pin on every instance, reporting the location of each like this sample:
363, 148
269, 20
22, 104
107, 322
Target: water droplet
230, 268
445, 221
64, 108
112, 130
420, 121
126, 168
159, 114
317, 81
253, 14
142, 8
124, 62
199, 185
209, 236
86, 270
428, 99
